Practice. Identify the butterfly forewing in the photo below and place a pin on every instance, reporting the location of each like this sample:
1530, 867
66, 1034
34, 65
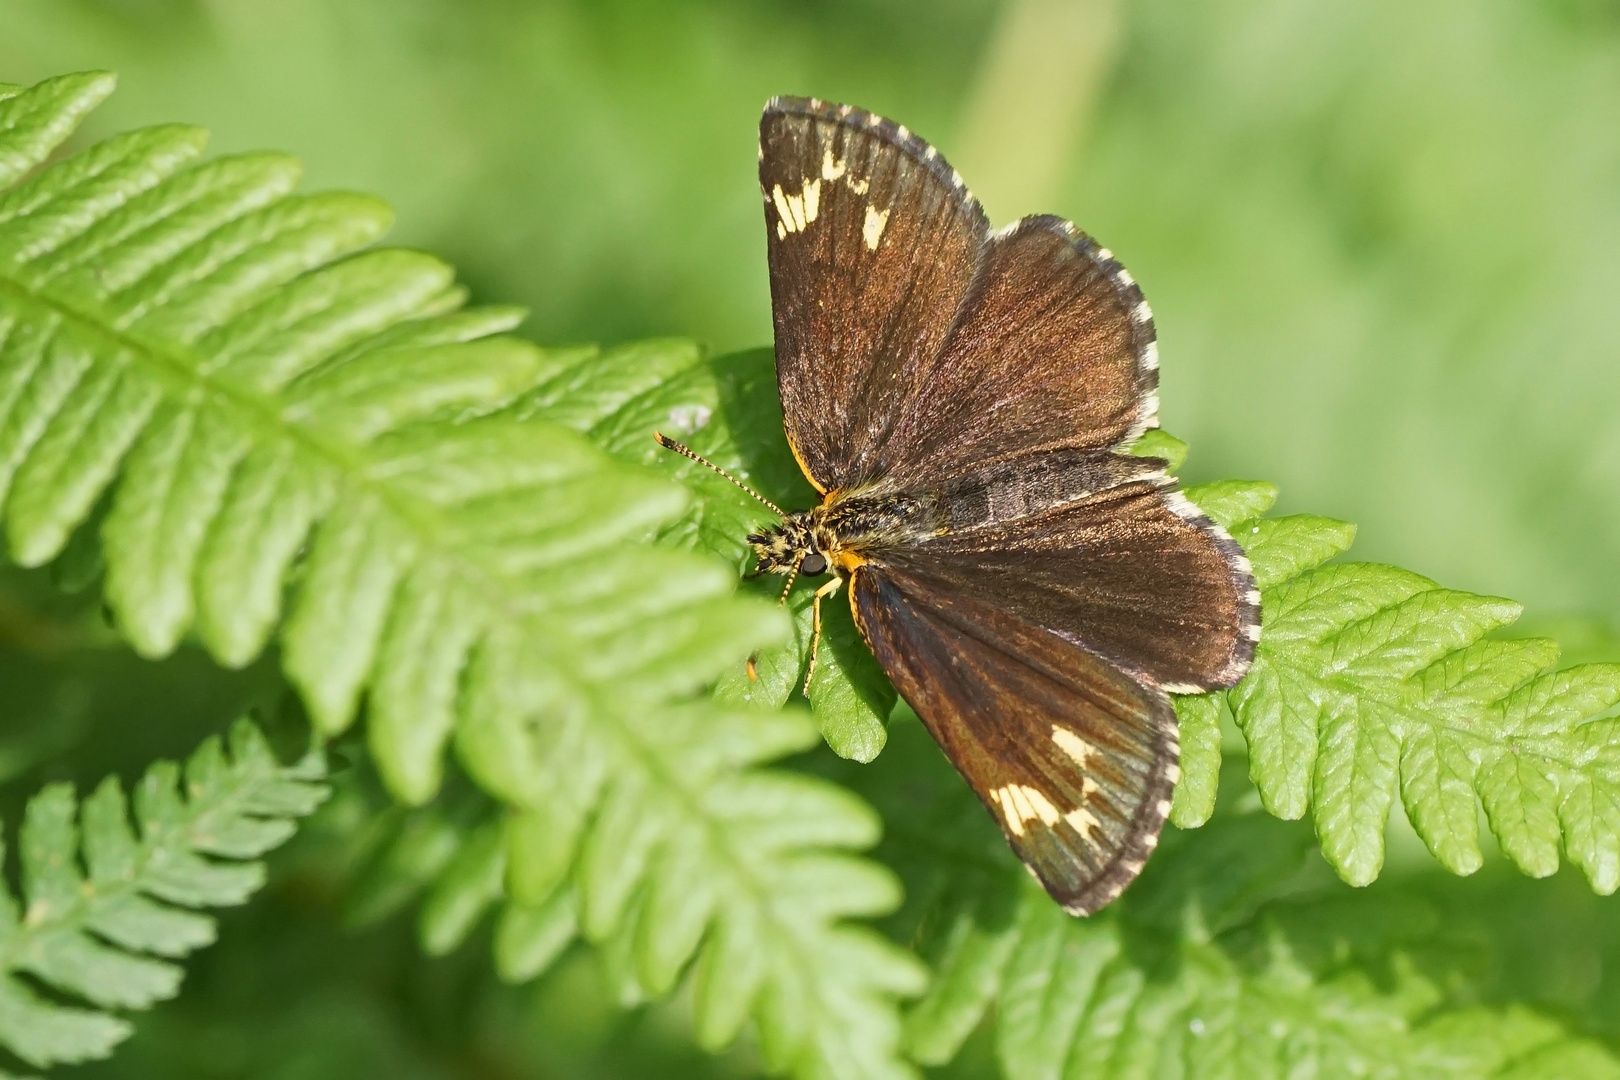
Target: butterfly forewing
873, 242
1074, 759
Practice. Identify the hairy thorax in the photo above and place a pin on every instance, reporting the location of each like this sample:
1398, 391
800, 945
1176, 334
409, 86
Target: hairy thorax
845, 531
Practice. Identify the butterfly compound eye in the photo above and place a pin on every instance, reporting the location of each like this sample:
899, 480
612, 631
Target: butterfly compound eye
813, 564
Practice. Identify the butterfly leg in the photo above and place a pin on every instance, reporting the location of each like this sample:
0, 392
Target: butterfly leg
815, 627
793, 575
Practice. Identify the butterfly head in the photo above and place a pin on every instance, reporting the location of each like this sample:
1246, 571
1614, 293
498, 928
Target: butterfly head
790, 547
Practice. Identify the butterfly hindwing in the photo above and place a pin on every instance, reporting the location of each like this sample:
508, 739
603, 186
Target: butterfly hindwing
873, 241
1100, 549
1075, 760
1052, 348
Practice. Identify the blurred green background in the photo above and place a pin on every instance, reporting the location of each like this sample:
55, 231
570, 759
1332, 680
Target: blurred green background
1381, 240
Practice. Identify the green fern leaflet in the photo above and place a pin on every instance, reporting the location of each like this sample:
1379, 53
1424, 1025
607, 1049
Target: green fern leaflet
274, 413
107, 934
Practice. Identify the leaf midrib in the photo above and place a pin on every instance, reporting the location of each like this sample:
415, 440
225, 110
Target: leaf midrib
652, 762
74, 917
173, 372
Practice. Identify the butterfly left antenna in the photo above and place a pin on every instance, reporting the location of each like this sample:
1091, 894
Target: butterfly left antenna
671, 444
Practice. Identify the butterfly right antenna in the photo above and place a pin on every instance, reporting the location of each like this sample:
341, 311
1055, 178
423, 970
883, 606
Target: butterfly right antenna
671, 444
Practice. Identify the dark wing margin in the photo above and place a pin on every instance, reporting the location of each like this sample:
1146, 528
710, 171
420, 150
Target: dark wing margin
873, 240
1053, 348
1074, 759
1102, 550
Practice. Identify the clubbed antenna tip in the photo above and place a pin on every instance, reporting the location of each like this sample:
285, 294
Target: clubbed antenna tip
685, 451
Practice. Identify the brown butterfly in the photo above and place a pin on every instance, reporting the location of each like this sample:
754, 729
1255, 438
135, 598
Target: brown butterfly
964, 401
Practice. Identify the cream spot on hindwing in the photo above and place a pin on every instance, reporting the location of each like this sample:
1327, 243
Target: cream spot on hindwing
872, 231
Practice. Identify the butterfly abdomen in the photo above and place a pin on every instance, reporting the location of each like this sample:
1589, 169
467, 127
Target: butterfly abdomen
1016, 489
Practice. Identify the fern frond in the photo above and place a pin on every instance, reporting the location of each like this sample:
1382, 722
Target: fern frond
96, 932
1071, 1000
1372, 682
269, 408
190, 330
1229, 957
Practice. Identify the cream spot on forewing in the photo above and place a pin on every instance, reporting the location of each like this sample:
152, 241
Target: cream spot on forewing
872, 231
784, 214
796, 206
781, 231
1085, 823
812, 200
1072, 744
831, 170
859, 184
1002, 797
